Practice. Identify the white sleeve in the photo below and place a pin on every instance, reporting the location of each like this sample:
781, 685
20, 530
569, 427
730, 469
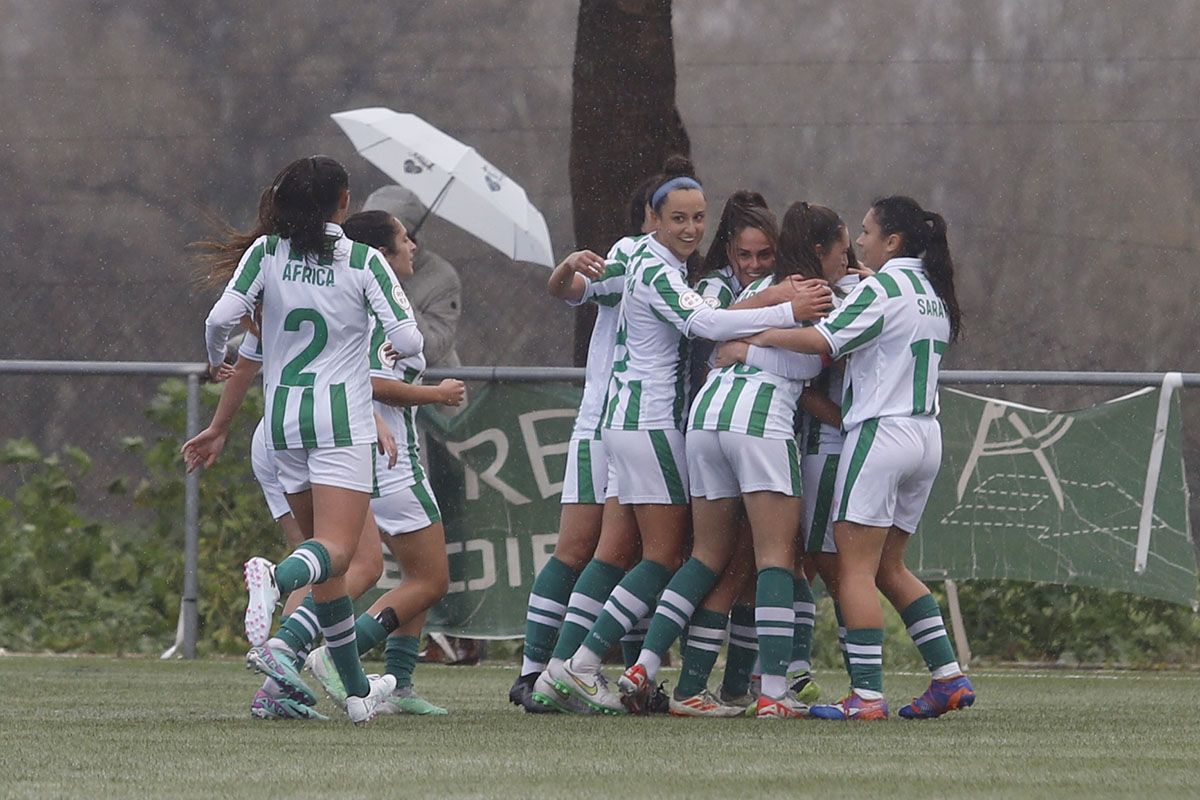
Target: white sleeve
674, 301
222, 319
392, 308
784, 363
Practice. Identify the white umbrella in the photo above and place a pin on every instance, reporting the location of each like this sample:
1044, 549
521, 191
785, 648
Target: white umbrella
451, 179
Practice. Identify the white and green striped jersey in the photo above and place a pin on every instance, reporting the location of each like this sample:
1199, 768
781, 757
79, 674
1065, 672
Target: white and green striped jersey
894, 329
748, 400
606, 292
401, 419
720, 287
816, 437
648, 388
317, 317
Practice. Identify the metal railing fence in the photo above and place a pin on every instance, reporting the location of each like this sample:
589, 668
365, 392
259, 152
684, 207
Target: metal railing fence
187, 632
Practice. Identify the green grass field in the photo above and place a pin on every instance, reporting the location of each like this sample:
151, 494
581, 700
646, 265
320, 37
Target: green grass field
102, 727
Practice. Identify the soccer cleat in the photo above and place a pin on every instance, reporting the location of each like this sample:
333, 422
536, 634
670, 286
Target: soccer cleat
804, 687
636, 688
547, 695
362, 710
704, 704
852, 707
279, 667
259, 575
786, 707
659, 701
742, 701
521, 694
325, 671
941, 696
590, 687
267, 706
404, 700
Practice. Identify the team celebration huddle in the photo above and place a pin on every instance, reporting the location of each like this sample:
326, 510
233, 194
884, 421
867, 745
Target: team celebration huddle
751, 419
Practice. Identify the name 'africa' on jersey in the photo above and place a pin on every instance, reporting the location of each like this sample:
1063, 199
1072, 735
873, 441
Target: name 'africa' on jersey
894, 354
318, 313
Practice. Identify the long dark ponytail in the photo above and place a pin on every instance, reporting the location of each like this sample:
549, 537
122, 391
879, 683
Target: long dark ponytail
805, 227
923, 235
296, 206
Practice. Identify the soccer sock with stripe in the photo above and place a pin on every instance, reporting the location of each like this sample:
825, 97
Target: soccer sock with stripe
864, 651
691, 584
630, 601
775, 621
923, 619
544, 616
400, 658
370, 630
841, 630
743, 651
705, 635
308, 563
337, 623
299, 629
802, 638
631, 643
595, 584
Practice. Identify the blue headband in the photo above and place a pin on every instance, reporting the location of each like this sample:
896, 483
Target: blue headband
682, 182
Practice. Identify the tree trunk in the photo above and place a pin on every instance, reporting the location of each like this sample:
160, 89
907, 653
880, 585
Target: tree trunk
624, 122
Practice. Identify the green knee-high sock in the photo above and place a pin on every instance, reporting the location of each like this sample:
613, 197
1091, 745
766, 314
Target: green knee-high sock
308, 563
841, 623
400, 658
370, 630
595, 584
743, 651
629, 602
923, 619
864, 650
631, 643
544, 616
337, 623
802, 637
299, 629
691, 583
705, 635
775, 621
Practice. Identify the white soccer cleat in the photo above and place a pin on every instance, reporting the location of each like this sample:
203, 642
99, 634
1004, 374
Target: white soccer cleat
589, 686
362, 710
263, 594
705, 704
547, 694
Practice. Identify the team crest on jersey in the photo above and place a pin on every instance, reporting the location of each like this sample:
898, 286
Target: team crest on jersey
400, 297
690, 300
387, 357
712, 302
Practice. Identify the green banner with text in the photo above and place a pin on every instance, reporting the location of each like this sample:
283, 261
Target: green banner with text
1094, 497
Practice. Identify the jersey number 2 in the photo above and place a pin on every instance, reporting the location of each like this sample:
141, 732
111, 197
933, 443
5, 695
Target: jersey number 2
293, 372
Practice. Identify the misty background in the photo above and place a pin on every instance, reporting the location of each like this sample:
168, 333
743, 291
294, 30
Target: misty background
1059, 139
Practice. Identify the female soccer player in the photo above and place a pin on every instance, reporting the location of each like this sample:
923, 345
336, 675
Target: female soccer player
402, 503
741, 450
589, 502
894, 326
642, 423
318, 292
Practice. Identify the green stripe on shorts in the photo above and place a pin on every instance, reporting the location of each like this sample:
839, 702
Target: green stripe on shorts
823, 504
794, 467
428, 504
666, 465
866, 437
583, 474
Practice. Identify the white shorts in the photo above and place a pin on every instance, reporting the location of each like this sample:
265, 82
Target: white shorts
724, 464
351, 467
586, 478
887, 470
650, 466
820, 479
406, 510
262, 461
